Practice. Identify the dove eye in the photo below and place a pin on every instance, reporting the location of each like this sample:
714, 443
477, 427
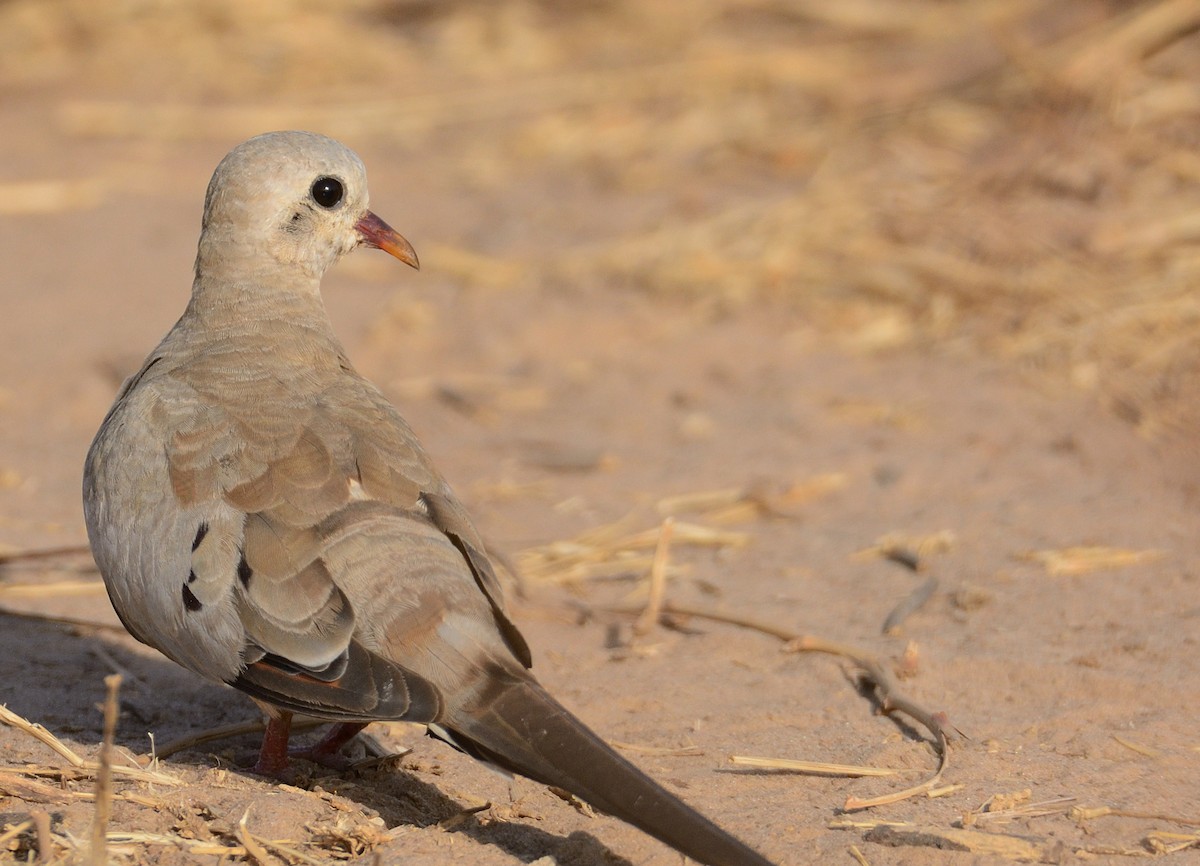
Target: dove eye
327, 191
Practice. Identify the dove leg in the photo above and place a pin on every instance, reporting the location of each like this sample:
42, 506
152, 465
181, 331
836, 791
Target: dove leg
273, 756
327, 752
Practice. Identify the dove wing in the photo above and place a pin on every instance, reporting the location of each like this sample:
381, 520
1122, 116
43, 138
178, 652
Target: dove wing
301, 548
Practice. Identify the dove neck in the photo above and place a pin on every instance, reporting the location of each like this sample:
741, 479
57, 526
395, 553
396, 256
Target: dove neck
233, 304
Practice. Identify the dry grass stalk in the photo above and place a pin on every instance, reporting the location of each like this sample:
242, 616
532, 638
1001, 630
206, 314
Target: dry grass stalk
585, 566
254, 849
99, 848
45, 838
87, 768
742, 504
1088, 813
1007, 802
944, 791
851, 824
1071, 561
40, 733
816, 487
894, 544
189, 846
686, 533
858, 856
812, 768
610, 551
14, 784
291, 854
662, 751
648, 619
1004, 809
1171, 843
1138, 747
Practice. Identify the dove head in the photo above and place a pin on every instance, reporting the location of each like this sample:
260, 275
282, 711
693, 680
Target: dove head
285, 206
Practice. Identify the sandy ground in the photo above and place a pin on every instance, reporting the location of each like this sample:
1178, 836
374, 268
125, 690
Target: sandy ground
559, 410
1061, 639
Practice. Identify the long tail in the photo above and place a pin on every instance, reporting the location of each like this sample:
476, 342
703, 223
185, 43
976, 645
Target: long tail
524, 730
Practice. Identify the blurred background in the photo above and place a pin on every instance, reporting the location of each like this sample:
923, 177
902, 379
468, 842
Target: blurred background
770, 265
1018, 176
1015, 180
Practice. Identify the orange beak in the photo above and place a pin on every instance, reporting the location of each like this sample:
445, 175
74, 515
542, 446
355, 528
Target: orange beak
376, 233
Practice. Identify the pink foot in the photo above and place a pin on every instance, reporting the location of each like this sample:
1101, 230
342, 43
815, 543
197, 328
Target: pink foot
327, 752
273, 756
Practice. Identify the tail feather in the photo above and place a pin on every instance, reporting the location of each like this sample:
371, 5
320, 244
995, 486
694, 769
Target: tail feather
524, 730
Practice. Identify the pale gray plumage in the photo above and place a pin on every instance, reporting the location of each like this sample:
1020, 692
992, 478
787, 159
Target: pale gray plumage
263, 516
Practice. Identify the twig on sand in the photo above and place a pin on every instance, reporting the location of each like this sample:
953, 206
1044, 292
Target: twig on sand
225, 732
910, 604
891, 698
1089, 813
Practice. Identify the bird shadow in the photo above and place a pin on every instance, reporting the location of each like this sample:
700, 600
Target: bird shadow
56, 679
402, 799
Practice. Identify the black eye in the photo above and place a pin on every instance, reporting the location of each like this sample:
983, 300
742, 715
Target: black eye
327, 191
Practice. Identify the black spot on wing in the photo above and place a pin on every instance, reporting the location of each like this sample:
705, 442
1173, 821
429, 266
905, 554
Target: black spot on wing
191, 576
189, 599
200, 533
245, 572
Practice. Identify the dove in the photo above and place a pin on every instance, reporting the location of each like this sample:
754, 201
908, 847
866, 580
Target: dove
263, 515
